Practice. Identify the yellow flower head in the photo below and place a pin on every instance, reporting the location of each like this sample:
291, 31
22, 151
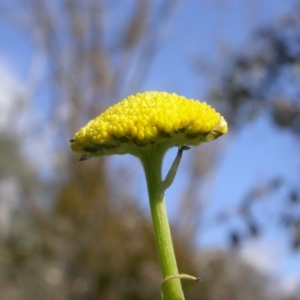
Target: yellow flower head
149, 118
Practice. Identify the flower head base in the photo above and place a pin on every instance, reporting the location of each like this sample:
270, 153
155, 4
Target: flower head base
149, 118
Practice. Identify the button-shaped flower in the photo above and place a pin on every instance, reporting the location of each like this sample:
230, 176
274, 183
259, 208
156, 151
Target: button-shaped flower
147, 125
138, 122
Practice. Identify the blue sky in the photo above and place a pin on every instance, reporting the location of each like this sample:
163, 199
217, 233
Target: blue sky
212, 31
208, 30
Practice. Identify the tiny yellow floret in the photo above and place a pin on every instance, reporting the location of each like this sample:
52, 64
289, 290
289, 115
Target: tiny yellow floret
149, 118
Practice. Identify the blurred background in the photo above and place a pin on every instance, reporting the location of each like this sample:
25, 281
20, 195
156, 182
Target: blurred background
82, 230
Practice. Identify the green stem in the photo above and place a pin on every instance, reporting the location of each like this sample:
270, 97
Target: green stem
152, 163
